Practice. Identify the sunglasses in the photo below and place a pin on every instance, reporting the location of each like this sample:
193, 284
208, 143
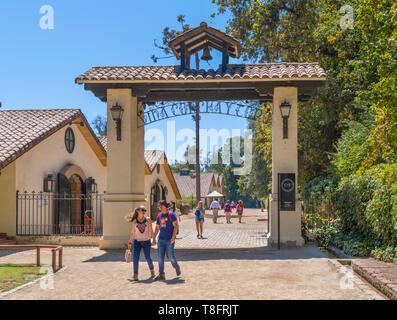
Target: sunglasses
143, 210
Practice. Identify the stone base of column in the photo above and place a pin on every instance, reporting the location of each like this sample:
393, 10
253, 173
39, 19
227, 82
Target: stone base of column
108, 243
116, 229
290, 226
286, 244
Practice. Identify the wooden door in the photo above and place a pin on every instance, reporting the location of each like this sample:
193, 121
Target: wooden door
62, 214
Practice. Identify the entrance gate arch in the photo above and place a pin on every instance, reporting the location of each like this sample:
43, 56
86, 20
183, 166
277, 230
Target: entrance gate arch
138, 90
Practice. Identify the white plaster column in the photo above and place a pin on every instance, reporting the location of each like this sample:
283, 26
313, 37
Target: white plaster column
125, 170
285, 160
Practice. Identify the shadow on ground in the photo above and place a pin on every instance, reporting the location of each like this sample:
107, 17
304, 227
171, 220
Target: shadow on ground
176, 280
266, 253
7, 252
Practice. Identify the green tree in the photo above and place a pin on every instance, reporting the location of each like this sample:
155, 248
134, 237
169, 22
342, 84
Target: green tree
377, 22
257, 183
359, 61
352, 148
100, 125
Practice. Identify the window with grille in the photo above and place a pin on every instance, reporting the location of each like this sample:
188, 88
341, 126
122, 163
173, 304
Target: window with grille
69, 140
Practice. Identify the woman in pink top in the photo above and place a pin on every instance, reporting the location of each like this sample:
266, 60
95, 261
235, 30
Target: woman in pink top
142, 233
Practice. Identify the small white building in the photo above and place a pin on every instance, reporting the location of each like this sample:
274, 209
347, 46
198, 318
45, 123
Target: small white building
53, 174
209, 182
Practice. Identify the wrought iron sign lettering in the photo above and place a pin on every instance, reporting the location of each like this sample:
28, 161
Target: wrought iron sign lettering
161, 111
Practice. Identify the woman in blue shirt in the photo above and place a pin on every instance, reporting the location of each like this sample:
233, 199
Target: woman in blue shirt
200, 212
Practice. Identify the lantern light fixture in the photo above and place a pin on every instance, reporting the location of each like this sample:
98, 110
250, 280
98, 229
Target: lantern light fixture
117, 114
49, 183
285, 109
92, 185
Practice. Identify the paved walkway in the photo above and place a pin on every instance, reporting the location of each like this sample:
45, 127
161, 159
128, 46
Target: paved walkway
254, 272
251, 233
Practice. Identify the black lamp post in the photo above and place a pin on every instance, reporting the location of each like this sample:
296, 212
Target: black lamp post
49, 183
117, 114
285, 109
92, 185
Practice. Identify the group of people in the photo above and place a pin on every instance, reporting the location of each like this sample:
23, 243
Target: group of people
215, 207
228, 208
167, 226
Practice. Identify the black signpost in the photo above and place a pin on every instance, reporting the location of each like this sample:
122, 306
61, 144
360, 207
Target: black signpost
286, 197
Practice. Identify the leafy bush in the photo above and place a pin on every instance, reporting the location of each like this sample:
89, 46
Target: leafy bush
189, 200
352, 148
366, 203
316, 195
326, 234
354, 244
317, 205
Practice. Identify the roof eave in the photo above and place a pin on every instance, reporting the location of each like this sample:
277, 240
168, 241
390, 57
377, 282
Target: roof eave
324, 78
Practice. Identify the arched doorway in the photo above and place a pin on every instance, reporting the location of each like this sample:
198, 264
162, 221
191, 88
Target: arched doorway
157, 192
73, 189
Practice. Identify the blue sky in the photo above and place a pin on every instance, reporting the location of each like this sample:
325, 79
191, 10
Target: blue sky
38, 67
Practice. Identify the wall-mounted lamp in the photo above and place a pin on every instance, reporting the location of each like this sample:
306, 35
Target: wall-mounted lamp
117, 114
49, 183
80, 123
91, 185
285, 109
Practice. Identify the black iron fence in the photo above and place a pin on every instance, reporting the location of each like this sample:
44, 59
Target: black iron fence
48, 214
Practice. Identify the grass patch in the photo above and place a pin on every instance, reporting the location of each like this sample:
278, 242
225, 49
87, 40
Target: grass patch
12, 276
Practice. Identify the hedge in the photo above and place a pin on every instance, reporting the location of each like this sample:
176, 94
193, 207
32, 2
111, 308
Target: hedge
366, 203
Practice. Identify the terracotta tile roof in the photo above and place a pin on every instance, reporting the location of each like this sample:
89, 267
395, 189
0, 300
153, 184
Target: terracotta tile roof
233, 71
104, 142
187, 184
152, 157
20, 130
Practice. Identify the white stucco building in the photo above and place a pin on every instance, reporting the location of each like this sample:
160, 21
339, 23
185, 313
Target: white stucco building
53, 174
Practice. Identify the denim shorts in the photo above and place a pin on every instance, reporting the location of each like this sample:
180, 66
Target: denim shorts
199, 219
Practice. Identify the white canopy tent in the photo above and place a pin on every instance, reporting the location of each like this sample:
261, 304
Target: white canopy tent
215, 194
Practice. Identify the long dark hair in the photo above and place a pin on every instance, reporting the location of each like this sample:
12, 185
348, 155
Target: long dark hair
173, 205
134, 216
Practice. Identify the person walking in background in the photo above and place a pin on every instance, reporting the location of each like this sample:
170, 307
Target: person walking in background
262, 205
228, 211
232, 204
175, 210
166, 225
200, 212
215, 206
141, 234
240, 208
